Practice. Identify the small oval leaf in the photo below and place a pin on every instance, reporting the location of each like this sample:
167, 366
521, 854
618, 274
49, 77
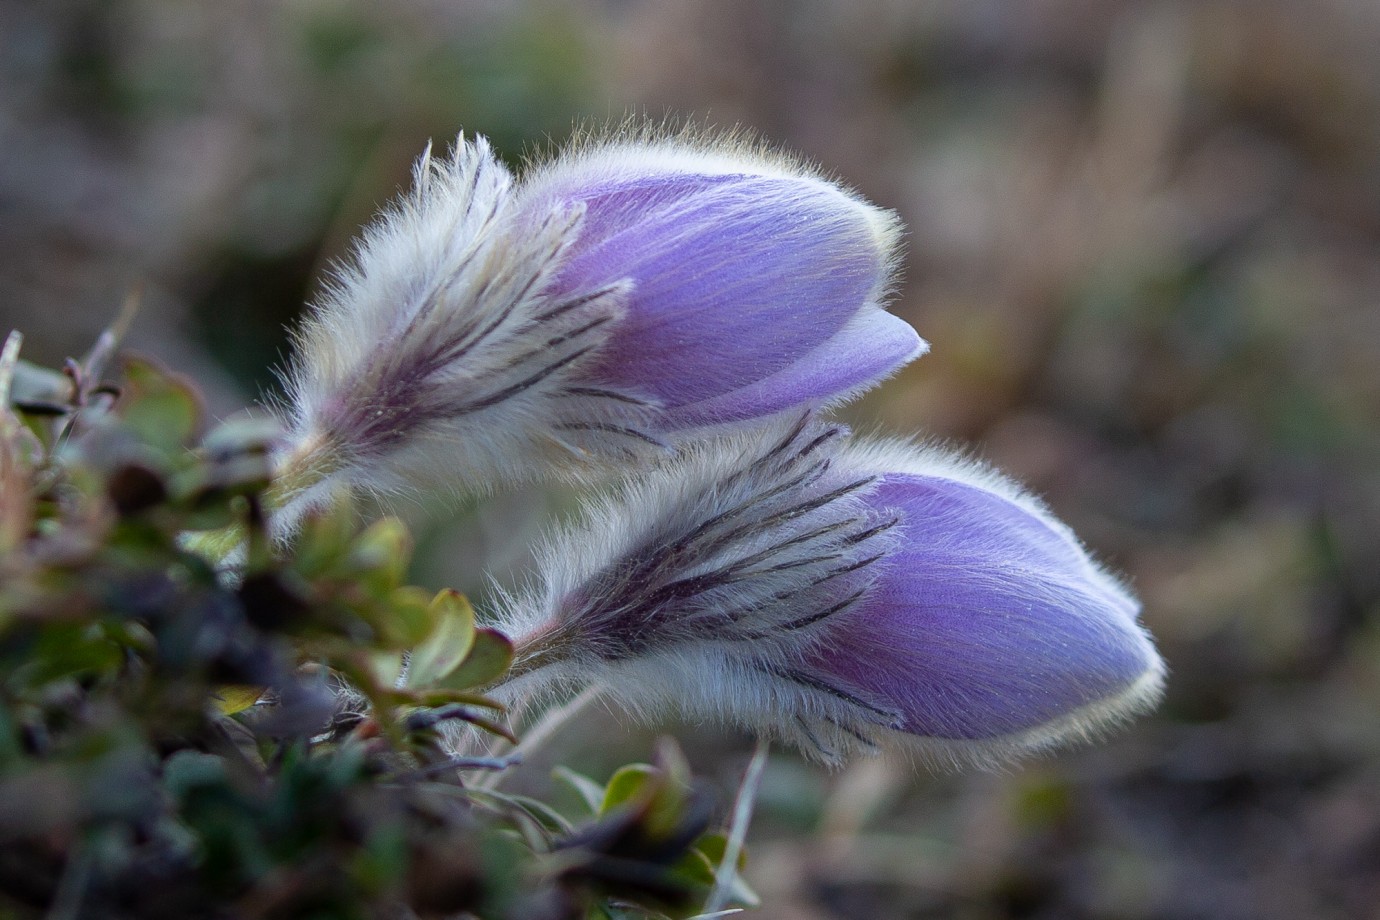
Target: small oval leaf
488, 659
386, 667
233, 698
380, 555
695, 868
587, 789
163, 409
628, 784
452, 638
405, 621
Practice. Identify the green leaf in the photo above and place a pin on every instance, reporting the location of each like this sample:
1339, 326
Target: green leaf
544, 814
452, 637
487, 661
240, 437
11, 747
379, 556
381, 859
489, 725
211, 529
629, 784
16, 473
590, 792
163, 410
386, 667
66, 651
671, 760
237, 460
405, 621
696, 868
531, 829
233, 698
325, 539
666, 807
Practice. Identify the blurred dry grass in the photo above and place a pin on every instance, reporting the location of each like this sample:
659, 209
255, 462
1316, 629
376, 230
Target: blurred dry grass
1143, 242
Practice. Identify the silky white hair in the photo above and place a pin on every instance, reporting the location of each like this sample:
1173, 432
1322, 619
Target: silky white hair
691, 590
438, 355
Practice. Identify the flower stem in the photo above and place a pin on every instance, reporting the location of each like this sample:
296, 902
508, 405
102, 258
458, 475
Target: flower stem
742, 815
551, 721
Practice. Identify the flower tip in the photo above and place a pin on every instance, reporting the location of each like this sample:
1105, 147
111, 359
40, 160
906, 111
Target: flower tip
1094, 720
906, 343
991, 633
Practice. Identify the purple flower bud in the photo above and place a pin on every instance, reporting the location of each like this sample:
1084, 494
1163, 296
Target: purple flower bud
841, 596
756, 286
620, 298
990, 628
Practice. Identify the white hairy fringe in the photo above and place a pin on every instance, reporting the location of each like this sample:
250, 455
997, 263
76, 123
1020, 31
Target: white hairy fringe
437, 358
767, 540
634, 148
746, 673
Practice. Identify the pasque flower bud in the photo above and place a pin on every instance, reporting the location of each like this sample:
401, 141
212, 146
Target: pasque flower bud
842, 596
621, 298
756, 286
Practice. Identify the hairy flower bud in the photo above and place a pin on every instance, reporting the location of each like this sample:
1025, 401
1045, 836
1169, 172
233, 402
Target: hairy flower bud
840, 596
756, 286
991, 630
622, 297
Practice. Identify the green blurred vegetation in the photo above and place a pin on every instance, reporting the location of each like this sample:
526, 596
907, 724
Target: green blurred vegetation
185, 738
1144, 245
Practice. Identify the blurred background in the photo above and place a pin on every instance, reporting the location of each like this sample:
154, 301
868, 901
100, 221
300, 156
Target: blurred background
1144, 242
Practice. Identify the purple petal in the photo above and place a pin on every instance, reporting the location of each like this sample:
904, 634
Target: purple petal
737, 278
873, 345
989, 622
